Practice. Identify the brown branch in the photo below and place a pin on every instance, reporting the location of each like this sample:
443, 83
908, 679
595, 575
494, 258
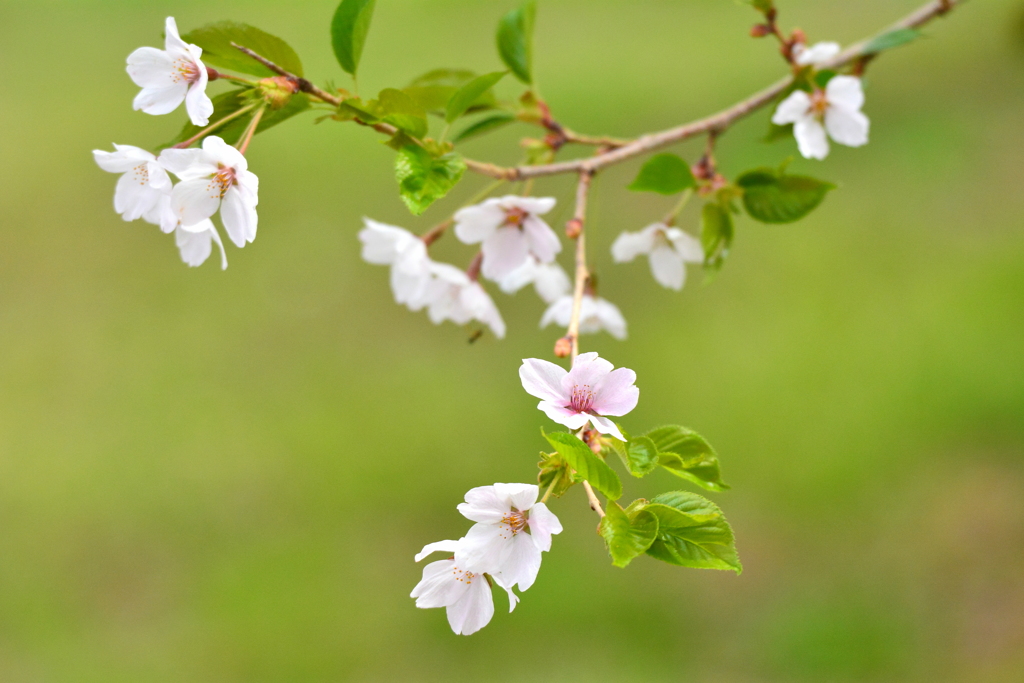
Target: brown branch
717, 122
576, 227
303, 85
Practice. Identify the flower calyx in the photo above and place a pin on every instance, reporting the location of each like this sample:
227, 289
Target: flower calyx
277, 91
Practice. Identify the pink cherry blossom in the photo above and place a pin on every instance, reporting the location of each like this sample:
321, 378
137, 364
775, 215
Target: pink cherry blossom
587, 393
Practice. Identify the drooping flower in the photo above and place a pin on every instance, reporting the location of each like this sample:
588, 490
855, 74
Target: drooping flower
452, 295
549, 280
596, 314
817, 54
144, 188
510, 229
465, 594
587, 393
835, 110
512, 530
196, 244
667, 249
214, 177
171, 76
406, 254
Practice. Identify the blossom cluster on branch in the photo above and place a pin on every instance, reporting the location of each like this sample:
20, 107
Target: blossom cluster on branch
426, 123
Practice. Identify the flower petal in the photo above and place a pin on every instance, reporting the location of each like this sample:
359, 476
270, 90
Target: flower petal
558, 312
817, 53
551, 282
610, 318
485, 504
159, 101
474, 609
588, 370
617, 393
532, 205
542, 240
195, 247
628, 245
522, 562
194, 201
846, 92
149, 67
484, 548
686, 245
847, 126
667, 267
475, 223
563, 416
543, 379
440, 585
520, 496
543, 523
810, 138
133, 197
239, 217
792, 109
439, 546
504, 250
197, 103
606, 426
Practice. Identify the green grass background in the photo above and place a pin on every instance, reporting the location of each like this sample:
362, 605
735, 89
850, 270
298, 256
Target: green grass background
219, 477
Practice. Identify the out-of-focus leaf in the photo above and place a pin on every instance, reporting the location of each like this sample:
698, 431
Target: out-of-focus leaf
771, 196
665, 174
348, 32
485, 125
465, 96
216, 39
515, 41
891, 39
423, 179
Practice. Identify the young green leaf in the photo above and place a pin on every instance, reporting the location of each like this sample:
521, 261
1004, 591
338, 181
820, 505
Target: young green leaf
627, 537
589, 466
465, 96
761, 5
638, 454
403, 112
716, 233
423, 179
688, 455
485, 125
692, 532
216, 39
771, 196
515, 41
348, 32
555, 474
664, 174
891, 39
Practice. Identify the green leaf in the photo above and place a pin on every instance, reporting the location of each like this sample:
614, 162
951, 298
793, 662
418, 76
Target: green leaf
891, 39
664, 174
423, 179
716, 233
348, 32
638, 454
692, 532
771, 196
216, 39
822, 78
686, 454
626, 538
761, 5
228, 103
403, 112
555, 473
589, 466
485, 125
434, 89
515, 41
465, 96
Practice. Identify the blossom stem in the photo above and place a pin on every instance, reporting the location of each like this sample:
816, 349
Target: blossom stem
671, 216
717, 122
251, 130
582, 273
214, 126
547, 493
595, 504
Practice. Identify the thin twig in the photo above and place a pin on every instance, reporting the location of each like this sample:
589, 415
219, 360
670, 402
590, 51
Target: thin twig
595, 504
577, 227
717, 122
304, 86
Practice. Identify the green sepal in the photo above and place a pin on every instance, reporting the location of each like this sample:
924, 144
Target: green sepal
587, 465
665, 174
349, 27
627, 536
772, 196
692, 532
515, 41
216, 39
423, 178
688, 455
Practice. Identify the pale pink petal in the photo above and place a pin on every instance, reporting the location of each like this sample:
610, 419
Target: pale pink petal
149, 67
810, 138
485, 504
439, 586
504, 250
617, 393
474, 609
520, 496
439, 546
792, 109
543, 379
588, 370
475, 223
543, 523
847, 126
846, 92
606, 426
667, 267
159, 101
542, 240
522, 562
628, 245
563, 416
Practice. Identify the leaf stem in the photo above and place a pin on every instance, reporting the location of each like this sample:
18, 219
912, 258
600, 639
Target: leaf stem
671, 216
595, 504
209, 129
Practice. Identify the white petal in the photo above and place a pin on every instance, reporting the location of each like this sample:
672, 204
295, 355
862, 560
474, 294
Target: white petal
810, 138
184, 161
606, 426
520, 496
558, 312
520, 277
383, 243
542, 239
149, 67
846, 126
543, 379
440, 585
563, 415
485, 504
239, 217
484, 548
522, 562
133, 197
125, 159
159, 101
439, 546
792, 109
194, 201
474, 609
611, 318
223, 153
817, 53
686, 245
667, 267
551, 282
532, 205
197, 103
629, 245
215, 236
504, 250
543, 523
195, 247
475, 223
846, 92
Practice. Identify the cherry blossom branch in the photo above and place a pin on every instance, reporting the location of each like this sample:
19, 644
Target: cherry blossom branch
301, 83
717, 123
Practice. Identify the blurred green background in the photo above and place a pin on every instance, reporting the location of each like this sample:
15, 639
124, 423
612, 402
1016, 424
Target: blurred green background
219, 477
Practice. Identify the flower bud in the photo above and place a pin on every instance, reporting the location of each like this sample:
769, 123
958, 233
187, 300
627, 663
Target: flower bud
563, 347
759, 31
573, 228
278, 91
798, 36
592, 438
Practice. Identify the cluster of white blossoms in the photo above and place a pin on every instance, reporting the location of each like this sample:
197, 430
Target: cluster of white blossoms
504, 546
518, 248
833, 112
213, 178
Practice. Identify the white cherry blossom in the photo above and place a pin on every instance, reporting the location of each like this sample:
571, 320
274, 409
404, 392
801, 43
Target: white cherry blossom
835, 110
510, 229
452, 295
587, 393
817, 54
667, 248
548, 279
406, 254
596, 314
171, 76
512, 530
214, 177
196, 245
144, 188
466, 595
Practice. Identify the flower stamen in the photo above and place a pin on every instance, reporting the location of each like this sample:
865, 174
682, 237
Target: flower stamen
581, 399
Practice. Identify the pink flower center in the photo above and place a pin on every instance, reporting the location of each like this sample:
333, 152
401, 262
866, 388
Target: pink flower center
819, 102
185, 71
223, 179
516, 521
582, 398
515, 216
